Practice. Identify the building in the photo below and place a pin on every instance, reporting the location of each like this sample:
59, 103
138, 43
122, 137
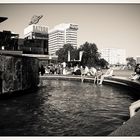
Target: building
114, 55
62, 34
36, 39
138, 59
8, 39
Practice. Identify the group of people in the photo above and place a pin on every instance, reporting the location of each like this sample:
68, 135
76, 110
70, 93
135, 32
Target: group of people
84, 71
97, 74
51, 69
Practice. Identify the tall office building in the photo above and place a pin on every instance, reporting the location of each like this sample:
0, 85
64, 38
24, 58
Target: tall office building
114, 55
62, 34
36, 39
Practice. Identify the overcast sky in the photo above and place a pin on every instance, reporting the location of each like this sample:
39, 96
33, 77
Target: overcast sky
106, 25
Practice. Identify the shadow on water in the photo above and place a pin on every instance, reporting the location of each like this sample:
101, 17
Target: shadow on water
19, 112
64, 108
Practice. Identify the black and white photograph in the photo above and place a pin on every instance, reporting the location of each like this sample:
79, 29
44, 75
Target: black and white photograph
70, 69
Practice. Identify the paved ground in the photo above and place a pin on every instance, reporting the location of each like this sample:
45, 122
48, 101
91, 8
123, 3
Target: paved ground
123, 73
130, 128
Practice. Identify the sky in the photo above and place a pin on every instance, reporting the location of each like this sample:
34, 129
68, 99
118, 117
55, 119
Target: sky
106, 25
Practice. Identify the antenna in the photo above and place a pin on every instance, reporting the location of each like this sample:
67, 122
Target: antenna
35, 19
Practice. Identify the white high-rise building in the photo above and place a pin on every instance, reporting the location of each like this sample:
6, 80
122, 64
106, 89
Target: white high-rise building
114, 55
35, 31
36, 39
62, 34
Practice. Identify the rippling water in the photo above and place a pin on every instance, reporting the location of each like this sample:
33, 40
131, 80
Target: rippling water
65, 108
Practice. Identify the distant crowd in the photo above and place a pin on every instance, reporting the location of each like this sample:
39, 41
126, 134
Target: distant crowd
96, 73
84, 71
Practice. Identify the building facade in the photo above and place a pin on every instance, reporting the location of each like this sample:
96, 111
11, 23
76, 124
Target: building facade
138, 59
114, 55
62, 34
35, 39
8, 41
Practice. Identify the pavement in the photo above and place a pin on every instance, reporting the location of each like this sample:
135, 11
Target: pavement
130, 128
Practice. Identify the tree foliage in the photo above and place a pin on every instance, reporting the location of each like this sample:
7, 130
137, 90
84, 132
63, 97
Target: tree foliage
131, 61
103, 63
63, 53
91, 56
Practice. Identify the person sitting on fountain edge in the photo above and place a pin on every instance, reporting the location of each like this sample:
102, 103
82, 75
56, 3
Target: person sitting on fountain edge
136, 75
108, 73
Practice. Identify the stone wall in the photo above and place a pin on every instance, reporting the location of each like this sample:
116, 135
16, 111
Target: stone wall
129, 128
18, 73
30, 74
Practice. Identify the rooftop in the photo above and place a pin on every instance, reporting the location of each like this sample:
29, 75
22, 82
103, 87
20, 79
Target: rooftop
3, 19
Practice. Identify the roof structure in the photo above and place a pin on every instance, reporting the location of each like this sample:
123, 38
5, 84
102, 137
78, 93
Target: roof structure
3, 19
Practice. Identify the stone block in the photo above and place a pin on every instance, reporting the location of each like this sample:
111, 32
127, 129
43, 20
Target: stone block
18, 73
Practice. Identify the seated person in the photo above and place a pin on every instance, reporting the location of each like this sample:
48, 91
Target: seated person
92, 71
84, 72
134, 108
99, 73
76, 71
108, 73
136, 74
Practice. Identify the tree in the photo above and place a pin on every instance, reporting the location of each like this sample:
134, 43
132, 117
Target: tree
131, 62
63, 53
90, 54
103, 63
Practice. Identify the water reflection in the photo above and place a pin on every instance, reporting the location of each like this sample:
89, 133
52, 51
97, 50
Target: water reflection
65, 108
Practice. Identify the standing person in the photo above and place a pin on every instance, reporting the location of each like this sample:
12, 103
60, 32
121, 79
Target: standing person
108, 73
42, 70
64, 68
58, 69
82, 73
52, 69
